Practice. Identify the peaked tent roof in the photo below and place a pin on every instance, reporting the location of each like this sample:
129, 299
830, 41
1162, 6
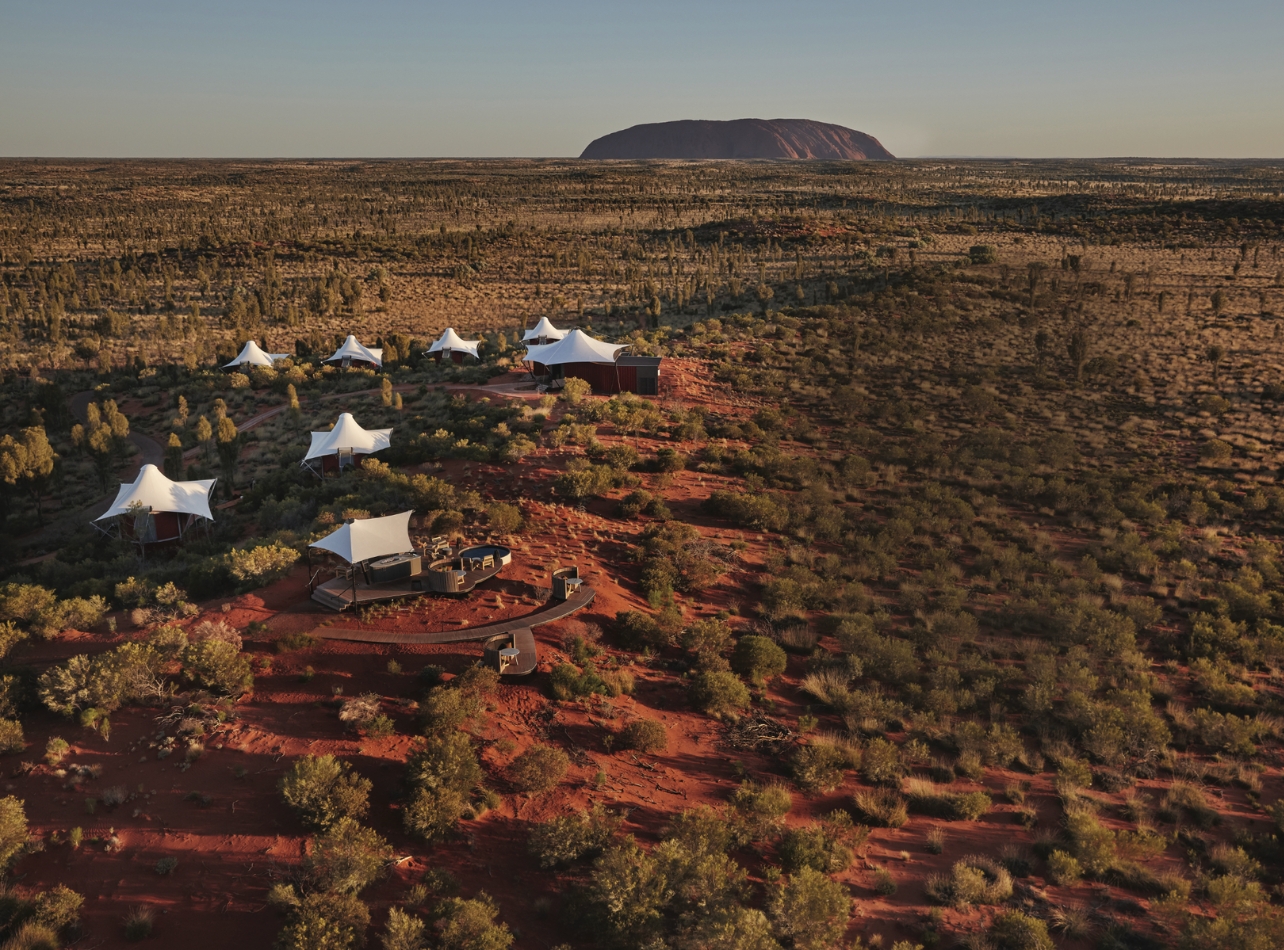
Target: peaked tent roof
347, 434
576, 347
450, 340
543, 330
369, 538
253, 354
154, 491
352, 350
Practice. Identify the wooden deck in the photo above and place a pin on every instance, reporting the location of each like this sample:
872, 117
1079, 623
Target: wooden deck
337, 594
519, 628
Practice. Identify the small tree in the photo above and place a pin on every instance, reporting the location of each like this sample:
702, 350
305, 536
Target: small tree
471, 925
1214, 355
174, 456
718, 693
348, 858
644, 735
758, 658
403, 931
13, 829
538, 769
574, 390
811, 909
229, 450
205, 435
325, 790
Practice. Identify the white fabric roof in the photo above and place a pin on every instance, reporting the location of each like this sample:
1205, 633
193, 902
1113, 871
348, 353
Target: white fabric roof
369, 538
450, 340
153, 490
253, 354
347, 434
576, 347
353, 350
543, 330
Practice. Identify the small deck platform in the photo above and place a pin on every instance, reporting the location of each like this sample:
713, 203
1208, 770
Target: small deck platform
519, 628
338, 593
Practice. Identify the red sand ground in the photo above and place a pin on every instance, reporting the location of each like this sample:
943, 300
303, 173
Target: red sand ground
233, 838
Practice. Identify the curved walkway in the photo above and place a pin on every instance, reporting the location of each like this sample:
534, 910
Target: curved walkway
519, 628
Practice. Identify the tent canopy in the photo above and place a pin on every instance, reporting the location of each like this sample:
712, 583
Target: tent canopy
544, 330
450, 341
352, 350
576, 347
253, 355
358, 541
347, 434
153, 491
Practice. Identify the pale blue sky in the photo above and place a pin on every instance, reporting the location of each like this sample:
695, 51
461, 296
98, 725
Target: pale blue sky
505, 78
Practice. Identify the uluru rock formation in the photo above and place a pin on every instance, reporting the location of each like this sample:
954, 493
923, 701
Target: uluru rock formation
739, 138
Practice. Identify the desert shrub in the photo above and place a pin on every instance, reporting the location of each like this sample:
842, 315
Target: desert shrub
625, 897
819, 766
563, 840
139, 923
1063, 868
440, 776
129, 673
575, 390
973, 880
1185, 800
566, 682
504, 519
359, 711
1013, 930
445, 708
758, 658
760, 809
931, 799
432, 813
348, 857
329, 921
881, 806
37, 610
828, 846
11, 739
881, 762
982, 254
718, 693
538, 769
403, 931
810, 909
884, 882
258, 566
639, 631
707, 640
1090, 842
644, 735
324, 790
470, 924
13, 829
218, 666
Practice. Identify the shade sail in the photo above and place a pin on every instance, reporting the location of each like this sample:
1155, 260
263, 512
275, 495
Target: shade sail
544, 330
347, 434
352, 350
450, 341
252, 354
153, 491
369, 538
576, 347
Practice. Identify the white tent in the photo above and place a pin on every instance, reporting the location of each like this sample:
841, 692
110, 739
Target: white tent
358, 541
352, 350
544, 330
348, 436
450, 342
253, 355
576, 347
152, 491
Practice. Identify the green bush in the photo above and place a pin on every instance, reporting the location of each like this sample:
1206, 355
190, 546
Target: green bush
644, 735
828, 846
13, 829
323, 790
881, 806
441, 776
810, 909
931, 799
318, 920
818, 766
218, 665
758, 658
11, 739
538, 769
982, 254
718, 693
973, 880
432, 813
470, 924
1063, 869
258, 566
348, 857
625, 896
563, 840
403, 931
1014, 930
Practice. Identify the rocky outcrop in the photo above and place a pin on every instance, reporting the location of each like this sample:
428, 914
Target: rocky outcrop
739, 138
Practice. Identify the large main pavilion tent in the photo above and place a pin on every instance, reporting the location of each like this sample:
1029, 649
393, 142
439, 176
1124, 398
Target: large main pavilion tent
346, 444
353, 353
580, 355
452, 346
253, 355
368, 538
543, 332
155, 508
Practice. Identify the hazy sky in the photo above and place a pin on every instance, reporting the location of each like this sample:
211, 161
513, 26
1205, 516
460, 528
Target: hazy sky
512, 78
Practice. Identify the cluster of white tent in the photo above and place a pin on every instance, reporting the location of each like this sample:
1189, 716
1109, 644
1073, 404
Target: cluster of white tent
351, 351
